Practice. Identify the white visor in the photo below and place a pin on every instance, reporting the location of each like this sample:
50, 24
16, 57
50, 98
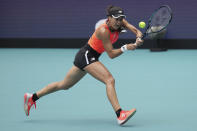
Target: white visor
118, 15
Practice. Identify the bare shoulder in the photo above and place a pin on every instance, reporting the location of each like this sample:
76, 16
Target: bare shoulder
102, 33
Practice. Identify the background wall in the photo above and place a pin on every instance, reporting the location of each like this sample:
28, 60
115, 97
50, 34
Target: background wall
77, 18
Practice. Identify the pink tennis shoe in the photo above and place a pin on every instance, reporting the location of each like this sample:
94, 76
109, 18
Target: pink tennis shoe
28, 102
125, 116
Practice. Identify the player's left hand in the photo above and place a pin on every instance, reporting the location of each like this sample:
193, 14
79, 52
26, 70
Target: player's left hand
139, 41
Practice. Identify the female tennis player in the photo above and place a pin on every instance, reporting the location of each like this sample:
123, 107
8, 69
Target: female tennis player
87, 61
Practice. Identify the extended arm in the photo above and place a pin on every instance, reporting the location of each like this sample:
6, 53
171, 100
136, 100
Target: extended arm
104, 35
132, 28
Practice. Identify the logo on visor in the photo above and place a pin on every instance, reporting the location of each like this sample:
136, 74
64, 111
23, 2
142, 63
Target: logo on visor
119, 11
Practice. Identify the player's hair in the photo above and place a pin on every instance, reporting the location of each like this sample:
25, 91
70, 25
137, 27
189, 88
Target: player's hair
109, 8
112, 8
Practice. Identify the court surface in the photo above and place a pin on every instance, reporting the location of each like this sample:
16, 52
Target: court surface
161, 85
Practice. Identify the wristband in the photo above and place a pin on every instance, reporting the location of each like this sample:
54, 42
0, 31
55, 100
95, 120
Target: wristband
124, 48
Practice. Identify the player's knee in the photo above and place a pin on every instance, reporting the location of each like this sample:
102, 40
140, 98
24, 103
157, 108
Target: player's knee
110, 80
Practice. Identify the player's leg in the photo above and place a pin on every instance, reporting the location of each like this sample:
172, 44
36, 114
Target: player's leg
100, 72
72, 77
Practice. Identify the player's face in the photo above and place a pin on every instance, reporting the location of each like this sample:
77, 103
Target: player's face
115, 23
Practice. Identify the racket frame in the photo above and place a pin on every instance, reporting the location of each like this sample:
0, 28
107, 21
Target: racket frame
149, 21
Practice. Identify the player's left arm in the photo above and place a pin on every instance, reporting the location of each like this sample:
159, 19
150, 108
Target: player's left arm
132, 28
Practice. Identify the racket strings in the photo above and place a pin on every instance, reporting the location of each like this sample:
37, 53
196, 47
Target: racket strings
160, 19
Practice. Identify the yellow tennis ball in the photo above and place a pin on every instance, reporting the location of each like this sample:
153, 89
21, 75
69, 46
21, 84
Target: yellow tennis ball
142, 24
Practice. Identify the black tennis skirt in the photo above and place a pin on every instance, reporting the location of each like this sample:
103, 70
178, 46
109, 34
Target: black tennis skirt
85, 56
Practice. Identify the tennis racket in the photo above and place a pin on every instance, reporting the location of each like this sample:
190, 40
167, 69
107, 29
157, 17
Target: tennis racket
158, 21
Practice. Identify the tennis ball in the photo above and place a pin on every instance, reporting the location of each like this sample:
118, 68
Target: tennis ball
142, 24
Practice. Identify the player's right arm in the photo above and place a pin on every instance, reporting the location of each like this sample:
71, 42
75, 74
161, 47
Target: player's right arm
103, 34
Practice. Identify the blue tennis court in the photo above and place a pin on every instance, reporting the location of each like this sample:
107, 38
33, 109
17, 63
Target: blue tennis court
161, 85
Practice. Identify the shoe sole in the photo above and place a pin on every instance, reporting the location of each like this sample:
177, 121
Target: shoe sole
128, 118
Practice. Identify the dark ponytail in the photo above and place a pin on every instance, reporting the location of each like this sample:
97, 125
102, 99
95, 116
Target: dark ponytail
109, 9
